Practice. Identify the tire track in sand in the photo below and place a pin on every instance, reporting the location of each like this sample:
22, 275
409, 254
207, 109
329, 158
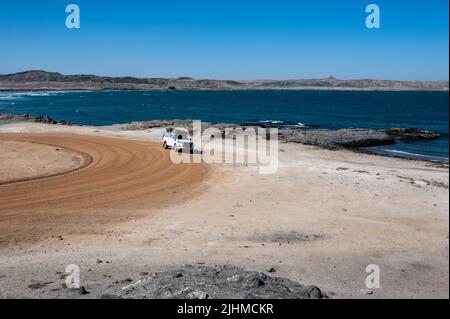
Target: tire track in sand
119, 180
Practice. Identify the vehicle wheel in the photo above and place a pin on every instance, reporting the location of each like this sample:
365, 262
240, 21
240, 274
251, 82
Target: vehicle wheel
165, 145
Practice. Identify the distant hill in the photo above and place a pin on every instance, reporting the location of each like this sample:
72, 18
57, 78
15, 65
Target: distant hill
42, 80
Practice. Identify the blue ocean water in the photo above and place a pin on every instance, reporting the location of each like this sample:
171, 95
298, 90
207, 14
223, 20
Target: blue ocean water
325, 109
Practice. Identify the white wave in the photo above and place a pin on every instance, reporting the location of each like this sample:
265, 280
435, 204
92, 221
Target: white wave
23, 95
19, 96
271, 121
151, 94
413, 154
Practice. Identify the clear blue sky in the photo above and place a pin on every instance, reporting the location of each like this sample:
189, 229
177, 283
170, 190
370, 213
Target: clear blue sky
228, 39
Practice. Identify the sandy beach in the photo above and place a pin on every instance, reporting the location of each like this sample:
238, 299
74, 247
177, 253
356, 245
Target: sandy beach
111, 201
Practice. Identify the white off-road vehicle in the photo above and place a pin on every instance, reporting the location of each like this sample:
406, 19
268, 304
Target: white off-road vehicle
177, 140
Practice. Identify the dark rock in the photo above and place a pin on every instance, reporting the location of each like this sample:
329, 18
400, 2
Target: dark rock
260, 282
410, 134
356, 137
126, 280
82, 291
202, 282
344, 138
314, 292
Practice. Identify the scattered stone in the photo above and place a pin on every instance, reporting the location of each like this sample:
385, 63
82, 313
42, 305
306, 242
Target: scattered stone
127, 280
198, 295
367, 292
285, 237
82, 291
39, 285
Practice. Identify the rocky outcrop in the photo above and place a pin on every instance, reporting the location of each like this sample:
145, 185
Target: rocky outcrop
410, 134
347, 138
218, 282
356, 138
344, 138
10, 118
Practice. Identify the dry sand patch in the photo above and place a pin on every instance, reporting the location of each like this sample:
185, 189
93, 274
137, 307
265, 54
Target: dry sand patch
25, 160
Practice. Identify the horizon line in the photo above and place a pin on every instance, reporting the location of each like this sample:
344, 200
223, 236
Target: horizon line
329, 77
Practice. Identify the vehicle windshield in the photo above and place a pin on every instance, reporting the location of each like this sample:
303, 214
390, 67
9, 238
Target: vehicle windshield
182, 136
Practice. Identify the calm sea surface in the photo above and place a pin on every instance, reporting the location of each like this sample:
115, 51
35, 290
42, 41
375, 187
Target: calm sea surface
297, 109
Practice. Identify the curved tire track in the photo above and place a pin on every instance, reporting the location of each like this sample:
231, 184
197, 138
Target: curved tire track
119, 179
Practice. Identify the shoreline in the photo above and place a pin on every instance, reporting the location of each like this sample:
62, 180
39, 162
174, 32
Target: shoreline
283, 133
